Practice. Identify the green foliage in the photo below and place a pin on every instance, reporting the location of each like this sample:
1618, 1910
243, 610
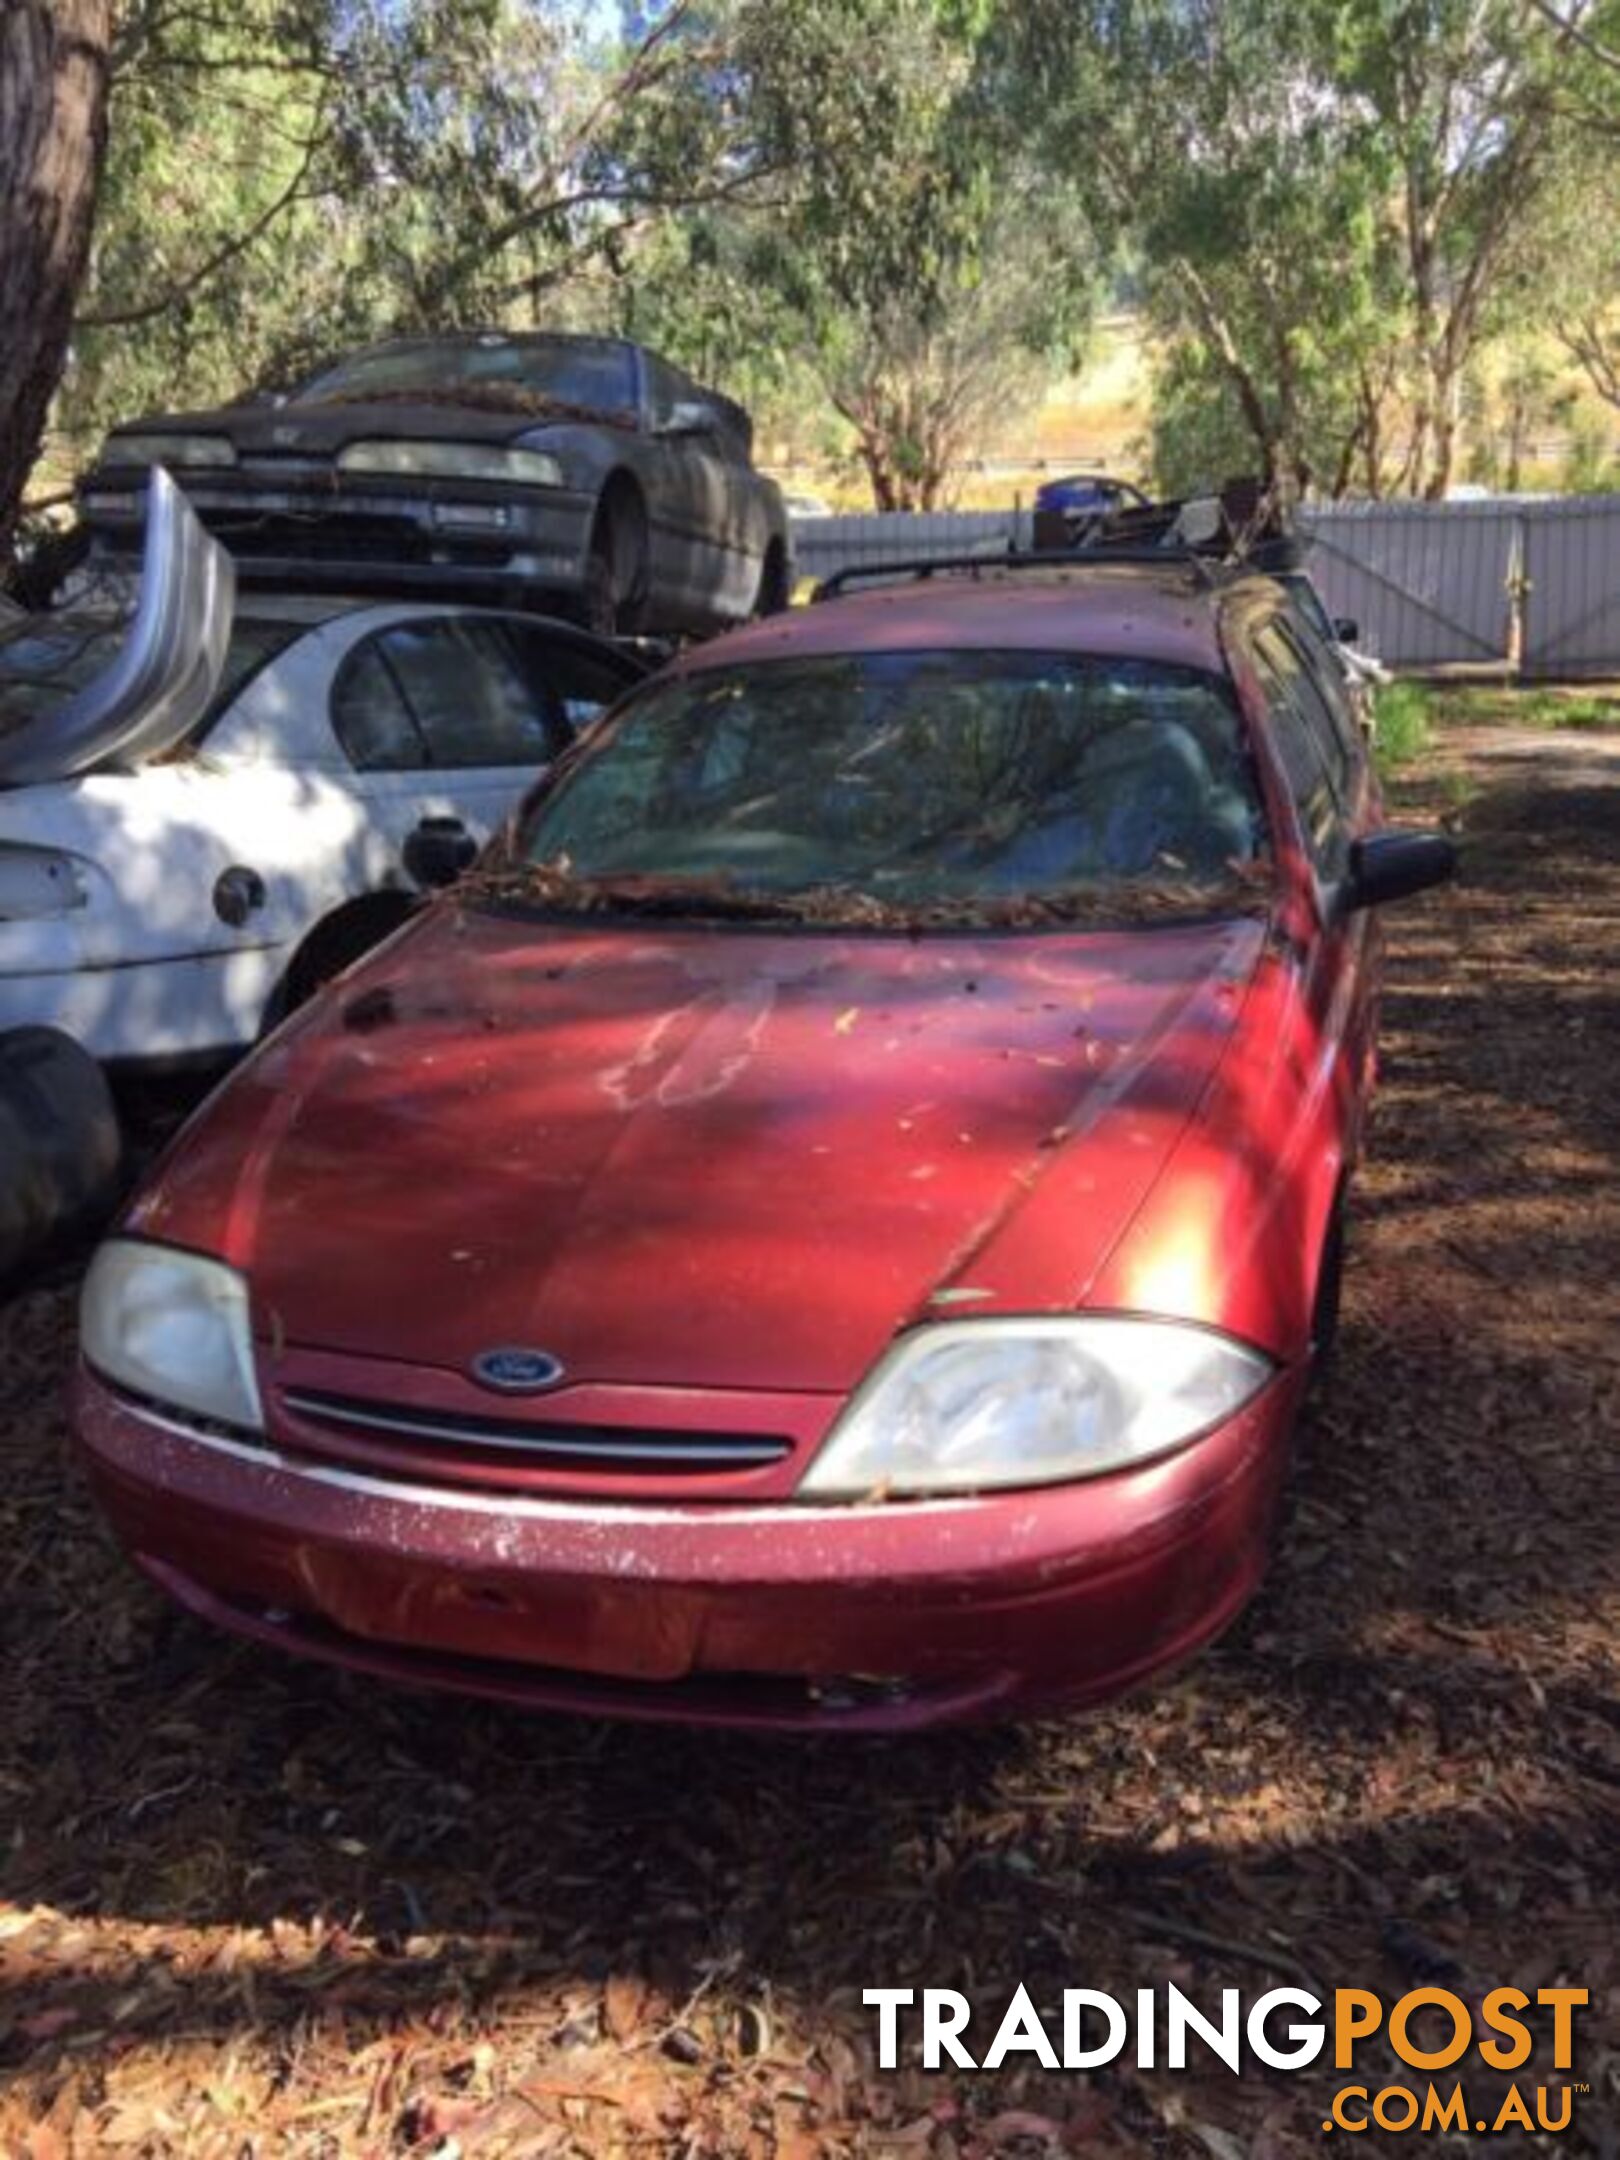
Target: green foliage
292, 177
1405, 724
1589, 466
1199, 436
903, 267
881, 222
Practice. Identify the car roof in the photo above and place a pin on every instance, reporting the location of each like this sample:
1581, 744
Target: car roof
1125, 610
490, 335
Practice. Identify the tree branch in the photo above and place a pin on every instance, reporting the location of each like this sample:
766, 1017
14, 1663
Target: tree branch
181, 291
1571, 33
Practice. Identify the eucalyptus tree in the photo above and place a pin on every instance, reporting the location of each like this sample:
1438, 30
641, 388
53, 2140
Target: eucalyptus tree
912, 258
54, 66
283, 177
1466, 100
1252, 199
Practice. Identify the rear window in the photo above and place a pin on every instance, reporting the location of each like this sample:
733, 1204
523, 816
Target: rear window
252, 645
933, 786
44, 659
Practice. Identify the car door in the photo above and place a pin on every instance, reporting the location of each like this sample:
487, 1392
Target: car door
694, 483
1325, 767
451, 715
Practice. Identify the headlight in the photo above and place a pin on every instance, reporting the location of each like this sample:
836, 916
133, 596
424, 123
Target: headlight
980, 1404
453, 461
172, 1326
169, 450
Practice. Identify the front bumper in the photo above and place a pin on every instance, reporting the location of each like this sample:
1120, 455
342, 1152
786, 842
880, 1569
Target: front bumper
886, 1617
330, 529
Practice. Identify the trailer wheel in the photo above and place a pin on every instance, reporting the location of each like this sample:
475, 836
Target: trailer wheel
61, 1147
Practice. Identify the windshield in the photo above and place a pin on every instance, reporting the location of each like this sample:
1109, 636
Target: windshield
45, 658
507, 374
907, 787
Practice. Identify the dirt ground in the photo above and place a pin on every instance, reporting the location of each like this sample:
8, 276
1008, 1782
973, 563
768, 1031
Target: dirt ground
250, 1908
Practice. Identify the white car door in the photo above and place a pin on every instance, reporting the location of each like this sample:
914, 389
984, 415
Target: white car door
451, 715
190, 883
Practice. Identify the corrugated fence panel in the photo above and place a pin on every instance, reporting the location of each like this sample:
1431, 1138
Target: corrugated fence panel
823, 545
1428, 583
1572, 606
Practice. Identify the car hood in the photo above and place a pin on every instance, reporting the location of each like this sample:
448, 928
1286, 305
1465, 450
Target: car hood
322, 429
699, 1156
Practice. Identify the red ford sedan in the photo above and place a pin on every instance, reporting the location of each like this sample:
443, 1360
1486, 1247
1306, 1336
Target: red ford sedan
829, 1222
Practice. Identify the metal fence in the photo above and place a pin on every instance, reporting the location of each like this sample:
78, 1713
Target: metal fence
1529, 585
1572, 588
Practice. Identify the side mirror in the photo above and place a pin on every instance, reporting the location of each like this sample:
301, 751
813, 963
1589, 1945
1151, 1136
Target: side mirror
437, 851
687, 417
1347, 630
1393, 865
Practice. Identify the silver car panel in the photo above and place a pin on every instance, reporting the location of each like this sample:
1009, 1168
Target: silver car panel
164, 673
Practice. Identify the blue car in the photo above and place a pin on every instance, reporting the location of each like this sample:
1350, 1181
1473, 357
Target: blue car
1091, 493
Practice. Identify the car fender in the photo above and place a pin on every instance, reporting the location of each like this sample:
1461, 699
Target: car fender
1233, 1232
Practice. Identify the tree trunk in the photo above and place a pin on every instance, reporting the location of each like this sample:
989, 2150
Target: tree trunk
1445, 419
880, 476
53, 138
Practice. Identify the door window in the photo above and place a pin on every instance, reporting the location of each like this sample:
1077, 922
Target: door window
1307, 743
370, 717
1327, 680
457, 692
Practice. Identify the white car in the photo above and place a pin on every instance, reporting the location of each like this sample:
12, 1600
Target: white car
207, 810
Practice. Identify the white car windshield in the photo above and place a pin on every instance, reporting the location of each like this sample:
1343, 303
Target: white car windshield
902, 787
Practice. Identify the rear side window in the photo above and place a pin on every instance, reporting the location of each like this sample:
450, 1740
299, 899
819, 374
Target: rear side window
254, 644
1349, 748
370, 717
459, 692
1313, 756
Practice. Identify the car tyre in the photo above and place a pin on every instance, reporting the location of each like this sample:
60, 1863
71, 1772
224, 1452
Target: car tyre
337, 941
617, 572
61, 1144
774, 593
596, 596
1329, 1288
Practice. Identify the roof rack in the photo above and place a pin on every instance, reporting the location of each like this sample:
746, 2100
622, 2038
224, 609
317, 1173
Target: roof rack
920, 568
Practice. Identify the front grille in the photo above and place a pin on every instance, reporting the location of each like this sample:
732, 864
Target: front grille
335, 536
635, 1449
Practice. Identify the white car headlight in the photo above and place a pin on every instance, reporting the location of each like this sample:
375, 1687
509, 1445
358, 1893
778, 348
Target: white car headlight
172, 1326
453, 461
975, 1405
169, 450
